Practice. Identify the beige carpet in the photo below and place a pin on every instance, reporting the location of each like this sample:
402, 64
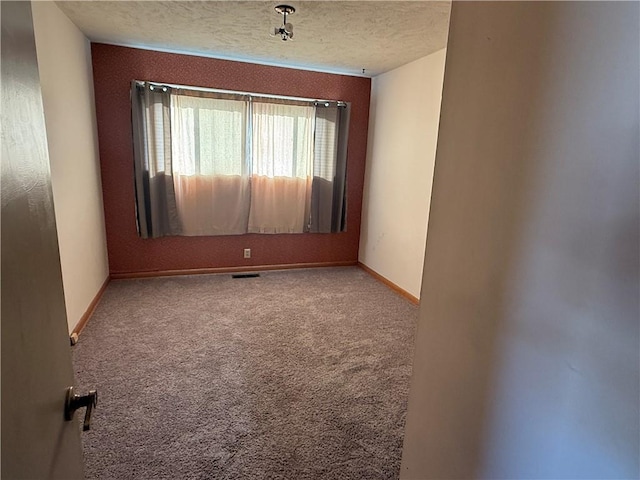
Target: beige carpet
298, 374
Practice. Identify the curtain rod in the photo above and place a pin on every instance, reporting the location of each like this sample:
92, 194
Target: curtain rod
234, 92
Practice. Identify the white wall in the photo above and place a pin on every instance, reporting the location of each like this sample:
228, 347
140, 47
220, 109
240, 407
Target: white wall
64, 62
403, 130
527, 353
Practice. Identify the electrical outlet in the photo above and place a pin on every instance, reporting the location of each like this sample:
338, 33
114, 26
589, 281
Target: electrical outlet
247, 253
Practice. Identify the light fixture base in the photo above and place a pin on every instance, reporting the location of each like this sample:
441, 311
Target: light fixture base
284, 9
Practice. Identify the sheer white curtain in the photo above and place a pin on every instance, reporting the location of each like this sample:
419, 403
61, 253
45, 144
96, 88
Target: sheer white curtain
211, 172
282, 167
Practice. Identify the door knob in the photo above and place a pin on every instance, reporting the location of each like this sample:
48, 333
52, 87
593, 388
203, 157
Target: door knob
74, 401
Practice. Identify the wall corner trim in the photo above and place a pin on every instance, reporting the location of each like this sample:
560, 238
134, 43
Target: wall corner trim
399, 290
91, 308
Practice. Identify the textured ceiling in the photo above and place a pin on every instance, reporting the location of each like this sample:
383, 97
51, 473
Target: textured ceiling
332, 36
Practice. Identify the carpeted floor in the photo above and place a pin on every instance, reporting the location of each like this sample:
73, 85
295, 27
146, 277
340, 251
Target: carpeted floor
298, 374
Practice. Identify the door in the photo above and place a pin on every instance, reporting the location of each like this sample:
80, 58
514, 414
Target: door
36, 362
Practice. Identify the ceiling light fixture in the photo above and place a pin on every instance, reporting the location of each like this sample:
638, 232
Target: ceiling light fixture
286, 30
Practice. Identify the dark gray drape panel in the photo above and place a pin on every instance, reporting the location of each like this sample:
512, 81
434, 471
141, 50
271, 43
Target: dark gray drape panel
156, 211
328, 191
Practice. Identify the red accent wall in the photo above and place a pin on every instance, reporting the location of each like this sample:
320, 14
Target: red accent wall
114, 68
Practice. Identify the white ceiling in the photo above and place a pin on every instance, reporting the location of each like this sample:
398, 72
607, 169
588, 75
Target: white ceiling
332, 36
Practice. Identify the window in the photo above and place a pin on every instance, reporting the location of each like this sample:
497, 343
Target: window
216, 163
